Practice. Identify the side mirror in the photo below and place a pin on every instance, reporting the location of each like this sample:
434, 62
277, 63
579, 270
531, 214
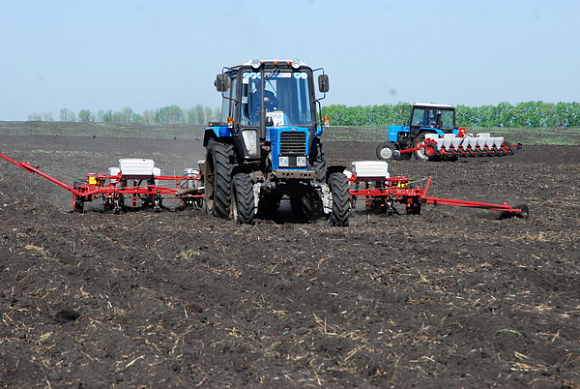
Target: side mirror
323, 83
222, 82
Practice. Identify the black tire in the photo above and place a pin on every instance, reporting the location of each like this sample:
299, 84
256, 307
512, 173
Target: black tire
312, 206
78, 201
218, 178
243, 205
525, 211
414, 208
524, 214
296, 207
387, 151
510, 149
340, 199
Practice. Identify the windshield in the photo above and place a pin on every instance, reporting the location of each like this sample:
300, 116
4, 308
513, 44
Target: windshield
286, 98
433, 117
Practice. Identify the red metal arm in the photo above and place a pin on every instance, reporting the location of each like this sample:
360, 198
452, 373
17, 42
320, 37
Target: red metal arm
31, 169
471, 204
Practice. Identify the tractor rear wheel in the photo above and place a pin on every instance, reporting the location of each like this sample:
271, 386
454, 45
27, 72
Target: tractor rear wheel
218, 178
340, 199
420, 154
243, 205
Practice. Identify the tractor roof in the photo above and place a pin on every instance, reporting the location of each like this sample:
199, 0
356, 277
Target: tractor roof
444, 106
268, 61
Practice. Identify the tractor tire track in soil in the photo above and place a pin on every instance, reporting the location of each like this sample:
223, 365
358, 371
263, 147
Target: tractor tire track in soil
453, 297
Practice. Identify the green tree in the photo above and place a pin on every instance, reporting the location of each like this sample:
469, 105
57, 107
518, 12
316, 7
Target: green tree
196, 115
124, 116
105, 116
66, 115
85, 116
35, 117
149, 117
170, 115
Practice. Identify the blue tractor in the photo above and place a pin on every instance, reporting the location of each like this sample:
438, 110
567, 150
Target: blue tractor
267, 146
431, 134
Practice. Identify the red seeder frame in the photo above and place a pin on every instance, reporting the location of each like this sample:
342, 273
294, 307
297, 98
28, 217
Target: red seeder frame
400, 190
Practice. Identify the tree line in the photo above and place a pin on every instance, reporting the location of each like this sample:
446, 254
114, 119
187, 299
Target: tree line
526, 114
172, 114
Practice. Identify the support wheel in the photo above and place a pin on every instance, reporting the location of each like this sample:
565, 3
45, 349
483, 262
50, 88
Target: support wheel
78, 201
525, 211
78, 204
243, 206
523, 214
414, 207
218, 178
509, 149
340, 199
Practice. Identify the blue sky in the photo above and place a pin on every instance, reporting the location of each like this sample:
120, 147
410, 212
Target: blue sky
147, 54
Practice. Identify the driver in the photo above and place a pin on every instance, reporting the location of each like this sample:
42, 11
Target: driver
433, 119
270, 104
270, 101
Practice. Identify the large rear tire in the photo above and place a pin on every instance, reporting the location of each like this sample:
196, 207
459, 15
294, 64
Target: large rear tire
340, 199
420, 154
243, 205
218, 178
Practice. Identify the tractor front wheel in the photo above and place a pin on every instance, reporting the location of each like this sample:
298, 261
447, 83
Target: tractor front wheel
311, 205
340, 199
243, 205
386, 151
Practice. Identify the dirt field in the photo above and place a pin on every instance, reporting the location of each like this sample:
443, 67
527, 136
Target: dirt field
451, 298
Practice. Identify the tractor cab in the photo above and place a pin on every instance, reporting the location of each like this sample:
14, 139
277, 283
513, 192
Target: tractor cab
265, 101
440, 117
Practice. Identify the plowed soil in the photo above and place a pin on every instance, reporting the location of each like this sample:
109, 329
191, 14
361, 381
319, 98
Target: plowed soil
454, 297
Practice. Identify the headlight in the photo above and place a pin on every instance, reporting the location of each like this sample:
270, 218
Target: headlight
301, 161
256, 63
283, 161
250, 140
296, 63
